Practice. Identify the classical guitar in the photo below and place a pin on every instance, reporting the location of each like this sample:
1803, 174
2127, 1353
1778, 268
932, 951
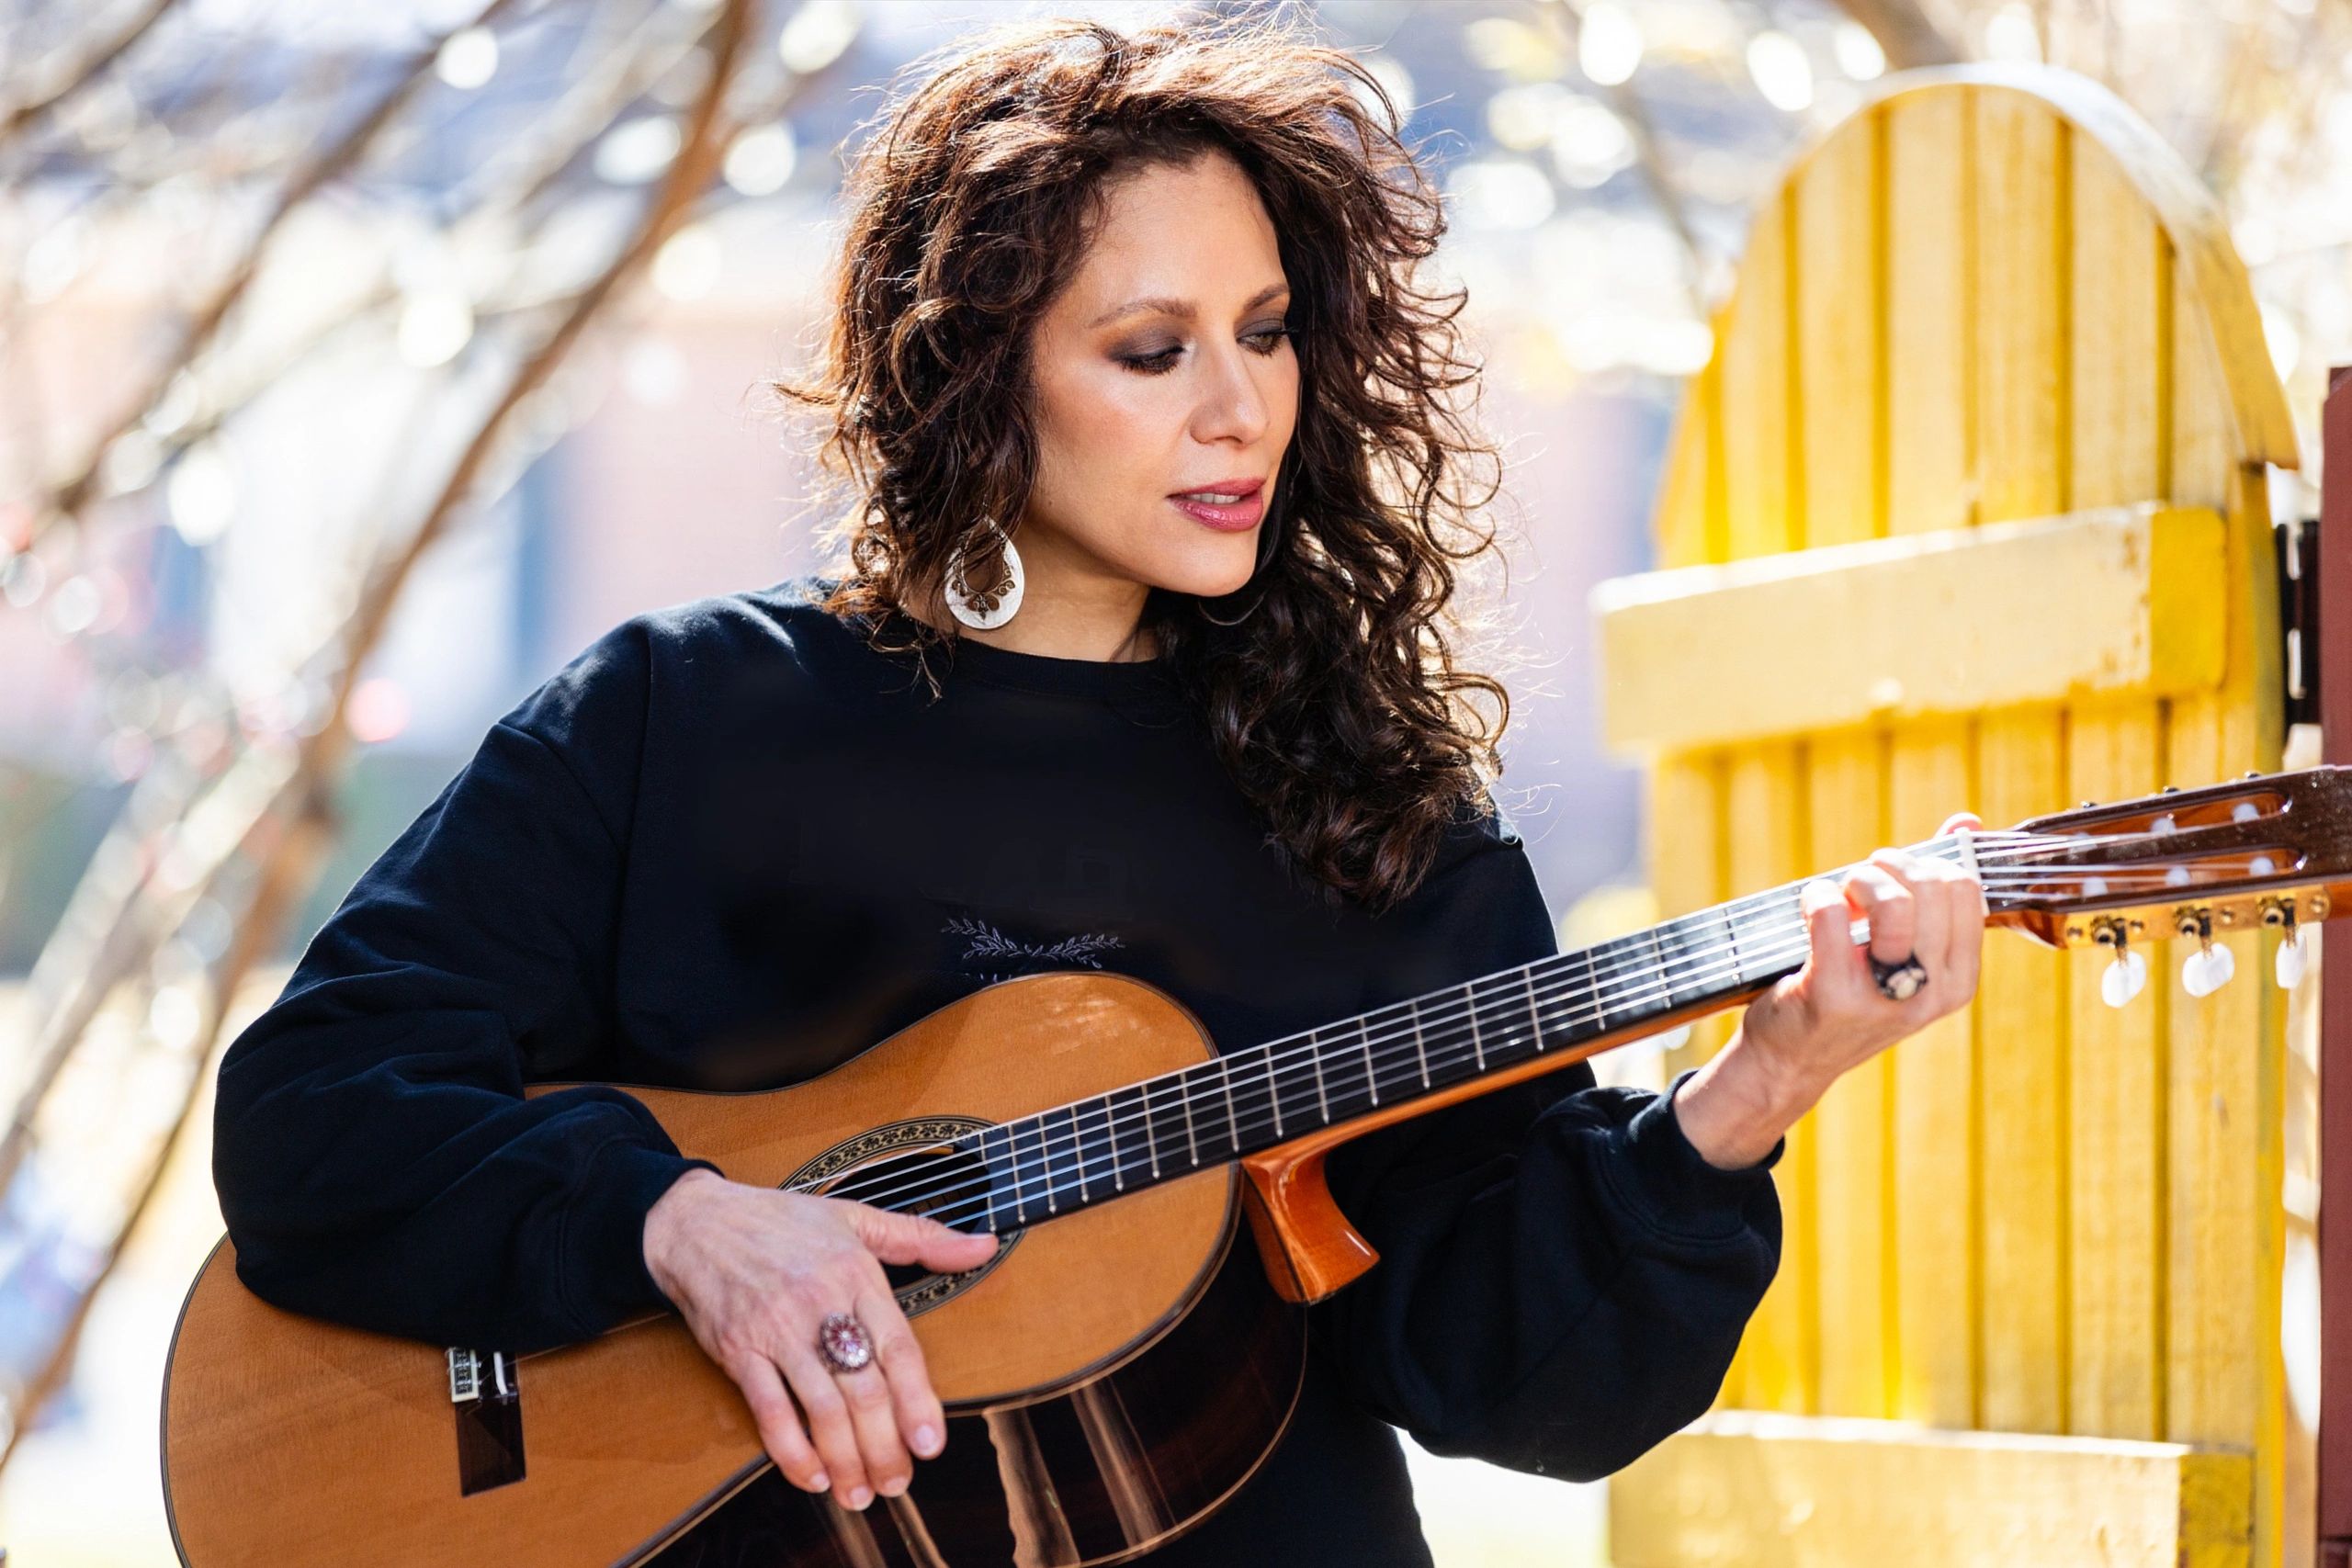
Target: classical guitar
1089, 1121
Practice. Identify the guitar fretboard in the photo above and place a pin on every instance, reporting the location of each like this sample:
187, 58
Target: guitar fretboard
1092, 1150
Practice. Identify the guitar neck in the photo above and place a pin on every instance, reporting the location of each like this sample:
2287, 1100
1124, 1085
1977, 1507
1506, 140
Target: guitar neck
1425, 1048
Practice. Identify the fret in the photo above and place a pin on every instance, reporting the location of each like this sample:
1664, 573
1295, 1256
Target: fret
988, 1178
1150, 1132
1191, 1138
1594, 990
1013, 1149
1535, 1008
1716, 968
1676, 966
1273, 1097
1232, 1116
1315, 1054
1111, 1120
1348, 1100
1421, 1046
1513, 1046
1658, 989
1477, 1044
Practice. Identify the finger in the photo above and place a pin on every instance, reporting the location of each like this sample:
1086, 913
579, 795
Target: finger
1839, 975
779, 1422
873, 1417
1958, 821
829, 1421
911, 1238
922, 1425
1930, 918
1887, 900
1965, 940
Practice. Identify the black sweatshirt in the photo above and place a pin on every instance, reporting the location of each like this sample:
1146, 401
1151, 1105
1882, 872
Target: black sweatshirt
729, 846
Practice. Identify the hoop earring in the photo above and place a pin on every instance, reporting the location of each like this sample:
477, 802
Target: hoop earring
1265, 554
985, 609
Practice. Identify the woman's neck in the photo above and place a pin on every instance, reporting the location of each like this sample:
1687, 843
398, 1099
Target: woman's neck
1104, 628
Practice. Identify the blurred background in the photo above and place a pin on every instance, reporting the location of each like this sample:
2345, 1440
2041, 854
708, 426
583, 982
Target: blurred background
360, 365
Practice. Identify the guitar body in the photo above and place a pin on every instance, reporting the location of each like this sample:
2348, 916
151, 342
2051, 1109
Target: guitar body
1081, 1427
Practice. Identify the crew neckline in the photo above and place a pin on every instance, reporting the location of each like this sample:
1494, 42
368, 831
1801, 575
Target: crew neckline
965, 659
1044, 672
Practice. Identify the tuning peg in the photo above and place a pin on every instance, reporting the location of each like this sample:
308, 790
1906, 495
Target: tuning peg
2170, 789
2125, 975
2207, 970
2288, 964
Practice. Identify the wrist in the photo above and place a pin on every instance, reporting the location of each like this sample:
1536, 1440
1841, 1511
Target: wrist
1734, 1109
662, 1221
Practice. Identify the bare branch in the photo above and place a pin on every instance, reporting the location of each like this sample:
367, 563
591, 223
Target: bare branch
1905, 34
24, 114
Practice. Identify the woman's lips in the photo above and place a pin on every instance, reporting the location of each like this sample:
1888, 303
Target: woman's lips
1225, 516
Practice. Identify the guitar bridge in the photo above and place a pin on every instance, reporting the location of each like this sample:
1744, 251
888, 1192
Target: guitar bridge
490, 1419
467, 1376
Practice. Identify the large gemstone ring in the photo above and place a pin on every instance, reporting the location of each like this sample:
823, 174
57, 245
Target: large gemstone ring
1899, 982
843, 1342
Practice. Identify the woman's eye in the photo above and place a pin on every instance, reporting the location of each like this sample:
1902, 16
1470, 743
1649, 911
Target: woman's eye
1264, 340
1155, 362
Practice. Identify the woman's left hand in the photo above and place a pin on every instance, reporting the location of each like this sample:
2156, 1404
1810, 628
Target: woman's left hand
1830, 1017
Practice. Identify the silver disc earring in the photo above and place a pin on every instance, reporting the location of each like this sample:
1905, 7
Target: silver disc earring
984, 609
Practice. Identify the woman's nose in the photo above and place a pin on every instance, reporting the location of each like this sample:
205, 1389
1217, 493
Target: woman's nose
1232, 405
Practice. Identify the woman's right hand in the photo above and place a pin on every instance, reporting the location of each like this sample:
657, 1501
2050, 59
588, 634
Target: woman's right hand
754, 1270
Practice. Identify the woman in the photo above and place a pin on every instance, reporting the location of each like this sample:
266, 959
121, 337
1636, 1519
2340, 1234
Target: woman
1136, 661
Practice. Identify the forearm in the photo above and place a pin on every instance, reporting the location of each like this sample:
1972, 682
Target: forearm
1736, 1107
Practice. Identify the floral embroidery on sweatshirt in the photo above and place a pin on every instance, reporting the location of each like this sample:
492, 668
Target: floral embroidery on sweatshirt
989, 955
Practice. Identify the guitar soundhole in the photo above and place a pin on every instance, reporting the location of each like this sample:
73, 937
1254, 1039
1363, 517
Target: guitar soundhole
914, 1168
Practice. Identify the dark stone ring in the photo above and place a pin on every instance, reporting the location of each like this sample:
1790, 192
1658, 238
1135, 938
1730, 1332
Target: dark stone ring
1899, 982
845, 1343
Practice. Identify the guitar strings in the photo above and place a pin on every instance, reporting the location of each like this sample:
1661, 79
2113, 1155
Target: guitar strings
1067, 1175
1262, 1070
1260, 1085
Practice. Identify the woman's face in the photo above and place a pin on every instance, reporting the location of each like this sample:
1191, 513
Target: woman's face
1163, 380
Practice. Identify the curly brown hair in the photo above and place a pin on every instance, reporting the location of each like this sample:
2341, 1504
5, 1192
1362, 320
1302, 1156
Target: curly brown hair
1337, 704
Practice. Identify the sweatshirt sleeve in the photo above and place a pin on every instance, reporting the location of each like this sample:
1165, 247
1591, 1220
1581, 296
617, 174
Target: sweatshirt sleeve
376, 1160
1562, 1277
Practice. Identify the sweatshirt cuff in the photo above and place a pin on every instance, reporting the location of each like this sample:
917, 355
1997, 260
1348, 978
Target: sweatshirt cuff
605, 1251
1680, 1191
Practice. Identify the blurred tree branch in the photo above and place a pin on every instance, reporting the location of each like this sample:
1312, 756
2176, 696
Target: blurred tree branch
267, 823
1906, 35
72, 78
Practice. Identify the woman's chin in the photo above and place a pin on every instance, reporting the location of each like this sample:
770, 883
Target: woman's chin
1216, 577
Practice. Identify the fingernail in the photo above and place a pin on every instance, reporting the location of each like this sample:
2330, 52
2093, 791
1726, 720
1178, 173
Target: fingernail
926, 1442
820, 1483
859, 1497
894, 1486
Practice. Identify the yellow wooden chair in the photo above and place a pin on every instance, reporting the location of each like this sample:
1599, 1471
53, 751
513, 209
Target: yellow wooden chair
2028, 1307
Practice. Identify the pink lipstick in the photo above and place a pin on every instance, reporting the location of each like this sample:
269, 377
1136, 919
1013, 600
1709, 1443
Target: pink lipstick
1228, 506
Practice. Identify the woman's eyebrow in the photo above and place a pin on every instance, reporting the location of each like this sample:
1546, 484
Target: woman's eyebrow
1180, 307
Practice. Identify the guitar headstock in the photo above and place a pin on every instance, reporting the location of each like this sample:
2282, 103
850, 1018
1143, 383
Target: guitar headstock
2267, 850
